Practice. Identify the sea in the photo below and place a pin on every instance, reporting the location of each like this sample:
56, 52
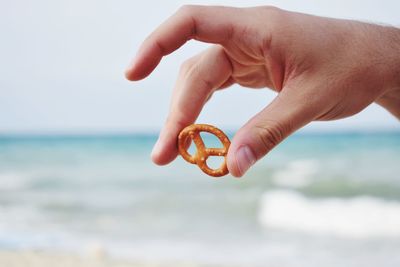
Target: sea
318, 199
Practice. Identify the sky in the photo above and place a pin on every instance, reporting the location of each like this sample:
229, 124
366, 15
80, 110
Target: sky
62, 67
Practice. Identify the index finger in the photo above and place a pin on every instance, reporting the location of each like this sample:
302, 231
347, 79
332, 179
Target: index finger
209, 24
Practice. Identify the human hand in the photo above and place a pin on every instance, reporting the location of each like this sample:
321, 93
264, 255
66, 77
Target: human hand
322, 69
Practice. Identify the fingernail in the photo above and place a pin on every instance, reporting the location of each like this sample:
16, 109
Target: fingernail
156, 148
131, 65
244, 159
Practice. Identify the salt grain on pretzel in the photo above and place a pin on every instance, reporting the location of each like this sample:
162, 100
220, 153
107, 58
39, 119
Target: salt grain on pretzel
202, 153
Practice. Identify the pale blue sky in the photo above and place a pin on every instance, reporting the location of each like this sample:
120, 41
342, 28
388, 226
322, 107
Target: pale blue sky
62, 65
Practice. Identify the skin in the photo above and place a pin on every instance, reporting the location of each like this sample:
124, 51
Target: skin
321, 69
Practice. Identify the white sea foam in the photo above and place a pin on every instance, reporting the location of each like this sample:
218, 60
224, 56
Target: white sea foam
358, 217
298, 173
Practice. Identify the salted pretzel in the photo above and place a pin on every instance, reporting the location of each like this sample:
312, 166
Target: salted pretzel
203, 152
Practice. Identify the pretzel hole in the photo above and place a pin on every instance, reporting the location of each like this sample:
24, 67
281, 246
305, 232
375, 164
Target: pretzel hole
190, 146
210, 140
215, 162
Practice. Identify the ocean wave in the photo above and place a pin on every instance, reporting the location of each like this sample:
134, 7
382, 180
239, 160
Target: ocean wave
357, 217
297, 174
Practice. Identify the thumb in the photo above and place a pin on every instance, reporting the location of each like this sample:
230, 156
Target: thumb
284, 115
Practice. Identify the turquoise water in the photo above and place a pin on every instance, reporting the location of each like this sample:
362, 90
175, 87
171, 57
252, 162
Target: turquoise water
70, 192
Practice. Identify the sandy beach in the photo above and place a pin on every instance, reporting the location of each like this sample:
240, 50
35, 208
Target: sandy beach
47, 259
52, 259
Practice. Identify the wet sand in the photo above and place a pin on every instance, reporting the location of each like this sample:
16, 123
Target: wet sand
51, 259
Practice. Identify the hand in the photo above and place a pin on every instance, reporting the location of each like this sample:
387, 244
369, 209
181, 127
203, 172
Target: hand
322, 69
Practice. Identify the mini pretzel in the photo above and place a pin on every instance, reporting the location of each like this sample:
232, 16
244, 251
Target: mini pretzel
203, 152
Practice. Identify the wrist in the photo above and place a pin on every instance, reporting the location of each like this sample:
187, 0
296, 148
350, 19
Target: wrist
390, 99
396, 60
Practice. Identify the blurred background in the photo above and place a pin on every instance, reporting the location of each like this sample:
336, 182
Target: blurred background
75, 139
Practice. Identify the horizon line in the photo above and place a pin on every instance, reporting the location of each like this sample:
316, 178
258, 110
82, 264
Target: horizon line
124, 133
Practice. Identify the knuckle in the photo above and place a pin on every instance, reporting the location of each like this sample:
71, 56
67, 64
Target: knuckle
271, 9
271, 12
207, 84
270, 135
277, 18
187, 65
178, 118
192, 72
